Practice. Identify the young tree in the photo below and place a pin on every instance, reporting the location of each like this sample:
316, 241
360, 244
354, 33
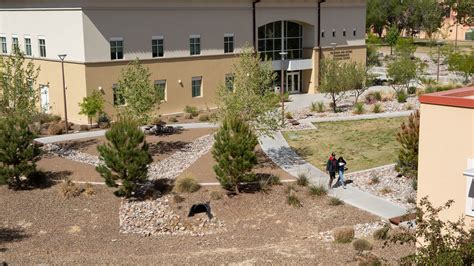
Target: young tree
392, 37
92, 105
234, 153
402, 71
405, 47
17, 79
462, 63
359, 79
252, 98
136, 88
125, 157
18, 152
438, 242
335, 80
408, 137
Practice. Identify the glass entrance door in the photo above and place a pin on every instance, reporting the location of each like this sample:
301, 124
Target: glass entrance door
293, 82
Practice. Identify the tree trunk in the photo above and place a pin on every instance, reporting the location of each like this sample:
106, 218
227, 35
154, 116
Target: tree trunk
334, 107
391, 49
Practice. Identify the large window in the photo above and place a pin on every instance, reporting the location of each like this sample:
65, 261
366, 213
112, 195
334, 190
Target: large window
28, 46
3, 41
15, 43
116, 48
42, 47
160, 87
279, 36
195, 44
229, 43
196, 85
157, 47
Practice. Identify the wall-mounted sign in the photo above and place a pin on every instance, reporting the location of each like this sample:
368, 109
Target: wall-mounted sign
341, 54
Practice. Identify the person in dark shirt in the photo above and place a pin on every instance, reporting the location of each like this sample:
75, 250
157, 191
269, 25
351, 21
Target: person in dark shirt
332, 168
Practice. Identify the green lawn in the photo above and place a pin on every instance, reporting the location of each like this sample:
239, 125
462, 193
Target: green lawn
364, 144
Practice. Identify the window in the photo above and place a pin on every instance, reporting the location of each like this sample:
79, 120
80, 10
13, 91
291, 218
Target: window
160, 87
229, 81
157, 47
42, 47
322, 34
196, 85
229, 43
15, 42
470, 192
119, 100
195, 44
116, 48
28, 46
354, 32
3, 41
333, 33
344, 33
275, 37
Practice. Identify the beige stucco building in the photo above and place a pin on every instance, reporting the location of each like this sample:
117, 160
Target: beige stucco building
446, 151
189, 46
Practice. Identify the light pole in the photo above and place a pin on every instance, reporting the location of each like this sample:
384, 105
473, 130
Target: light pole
437, 72
333, 44
62, 57
282, 88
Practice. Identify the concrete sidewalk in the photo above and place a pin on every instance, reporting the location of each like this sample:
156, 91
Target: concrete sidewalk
281, 153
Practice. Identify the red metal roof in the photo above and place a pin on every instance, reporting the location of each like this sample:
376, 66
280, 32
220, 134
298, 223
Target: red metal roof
463, 97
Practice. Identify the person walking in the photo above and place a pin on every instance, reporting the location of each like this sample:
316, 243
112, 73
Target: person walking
331, 168
341, 166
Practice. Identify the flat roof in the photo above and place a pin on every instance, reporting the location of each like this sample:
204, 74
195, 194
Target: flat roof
463, 97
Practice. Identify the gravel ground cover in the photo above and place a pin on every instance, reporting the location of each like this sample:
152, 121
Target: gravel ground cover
42, 227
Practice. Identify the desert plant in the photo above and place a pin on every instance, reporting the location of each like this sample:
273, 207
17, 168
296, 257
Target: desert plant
55, 129
173, 119
381, 233
402, 96
103, 120
359, 108
409, 106
203, 118
386, 190
333, 201
361, 245
192, 110
343, 234
187, 184
286, 96
378, 96
88, 189
92, 105
377, 108
18, 152
178, 198
288, 115
215, 195
125, 157
293, 200
439, 241
411, 90
188, 116
374, 179
411, 200
317, 107
234, 152
318, 190
302, 180
70, 190
408, 138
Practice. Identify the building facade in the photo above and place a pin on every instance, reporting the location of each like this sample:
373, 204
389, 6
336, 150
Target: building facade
189, 46
446, 152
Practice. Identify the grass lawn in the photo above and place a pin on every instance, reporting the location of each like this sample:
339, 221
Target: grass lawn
364, 144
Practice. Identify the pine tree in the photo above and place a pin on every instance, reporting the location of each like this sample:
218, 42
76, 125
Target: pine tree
408, 137
234, 153
18, 152
125, 157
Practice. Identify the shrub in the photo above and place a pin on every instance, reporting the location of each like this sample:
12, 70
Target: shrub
414, 184
88, 189
343, 234
317, 190
386, 190
374, 179
265, 184
203, 118
55, 129
333, 201
411, 90
18, 152
302, 180
84, 127
70, 190
92, 105
361, 245
215, 195
286, 97
377, 108
186, 184
411, 200
378, 96
234, 152
381, 233
125, 157
103, 118
288, 115
359, 108
188, 116
317, 107
178, 198
409, 106
408, 138
173, 119
293, 200
370, 98
45, 118
157, 120
402, 96
192, 110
